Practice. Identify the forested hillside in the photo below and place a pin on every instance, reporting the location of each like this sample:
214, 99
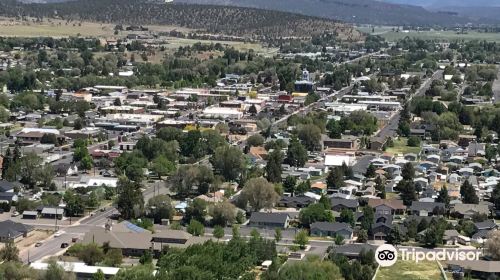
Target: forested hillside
235, 21
357, 11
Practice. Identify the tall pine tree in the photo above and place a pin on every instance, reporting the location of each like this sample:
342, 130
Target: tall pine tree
468, 193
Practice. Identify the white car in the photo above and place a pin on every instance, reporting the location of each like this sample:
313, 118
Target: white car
15, 214
59, 233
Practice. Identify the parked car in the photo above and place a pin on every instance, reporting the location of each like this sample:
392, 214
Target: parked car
64, 245
38, 244
15, 214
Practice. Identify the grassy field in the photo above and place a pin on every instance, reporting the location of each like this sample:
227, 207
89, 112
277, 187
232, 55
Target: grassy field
175, 43
60, 28
409, 270
401, 147
54, 28
389, 35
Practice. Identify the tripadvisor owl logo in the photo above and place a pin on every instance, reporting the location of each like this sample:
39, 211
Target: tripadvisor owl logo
386, 255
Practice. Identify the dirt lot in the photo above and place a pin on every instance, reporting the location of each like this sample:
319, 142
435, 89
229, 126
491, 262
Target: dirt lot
34, 237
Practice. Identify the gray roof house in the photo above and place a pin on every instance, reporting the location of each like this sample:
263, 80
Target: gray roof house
468, 210
269, 220
295, 201
332, 229
420, 208
13, 231
339, 204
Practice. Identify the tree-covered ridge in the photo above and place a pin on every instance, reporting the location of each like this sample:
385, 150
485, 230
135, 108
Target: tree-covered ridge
235, 21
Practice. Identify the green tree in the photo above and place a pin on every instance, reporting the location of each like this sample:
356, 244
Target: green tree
395, 236
93, 200
278, 235
196, 228
408, 172
368, 218
10, 252
334, 129
408, 192
55, 271
255, 140
310, 135
162, 166
91, 254
74, 205
370, 171
347, 216
146, 258
490, 152
303, 187
86, 163
99, 275
218, 232
296, 154
289, 184
223, 213
259, 194
196, 210
443, 197
113, 257
414, 141
495, 196
335, 178
229, 162
315, 213
468, 193
160, 207
301, 238
273, 166
362, 236
130, 201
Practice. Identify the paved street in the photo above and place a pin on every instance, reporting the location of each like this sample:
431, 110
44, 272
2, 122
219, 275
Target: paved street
391, 128
52, 246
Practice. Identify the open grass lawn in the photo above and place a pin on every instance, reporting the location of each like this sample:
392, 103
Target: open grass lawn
409, 270
401, 147
175, 43
389, 35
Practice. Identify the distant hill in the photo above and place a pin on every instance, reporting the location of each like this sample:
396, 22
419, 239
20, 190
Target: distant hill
358, 11
236, 21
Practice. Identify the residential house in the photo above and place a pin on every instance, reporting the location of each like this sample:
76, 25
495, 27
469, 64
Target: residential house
332, 230
52, 213
352, 251
463, 210
479, 269
419, 208
269, 220
483, 230
134, 240
12, 231
346, 142
387, 206
295, 201
339, 204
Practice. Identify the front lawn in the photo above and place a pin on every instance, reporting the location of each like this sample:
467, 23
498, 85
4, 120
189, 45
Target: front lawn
401, 147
